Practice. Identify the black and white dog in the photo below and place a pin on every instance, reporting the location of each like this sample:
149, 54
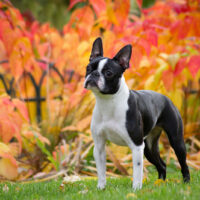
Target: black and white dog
130, 118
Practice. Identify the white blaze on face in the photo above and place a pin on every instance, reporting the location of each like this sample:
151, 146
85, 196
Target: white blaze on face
101, 81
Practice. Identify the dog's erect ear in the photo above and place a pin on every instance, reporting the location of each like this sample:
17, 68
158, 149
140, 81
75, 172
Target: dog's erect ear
97, 49
123, 56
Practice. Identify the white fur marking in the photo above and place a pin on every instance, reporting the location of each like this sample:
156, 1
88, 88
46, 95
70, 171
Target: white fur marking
101, 82
137, 153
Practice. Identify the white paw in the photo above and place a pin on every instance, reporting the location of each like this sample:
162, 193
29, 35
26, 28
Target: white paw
101, 186
137, 186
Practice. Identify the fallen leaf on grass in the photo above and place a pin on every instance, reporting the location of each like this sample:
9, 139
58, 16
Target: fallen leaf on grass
173, 180
145, 180
71, 179
83, 191
131, 195
159, 182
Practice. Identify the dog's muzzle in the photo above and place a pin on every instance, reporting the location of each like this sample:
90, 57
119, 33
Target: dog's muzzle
90, 83
91, 80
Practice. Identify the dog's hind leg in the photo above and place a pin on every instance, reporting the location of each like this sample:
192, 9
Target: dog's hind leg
152, 154
173, 126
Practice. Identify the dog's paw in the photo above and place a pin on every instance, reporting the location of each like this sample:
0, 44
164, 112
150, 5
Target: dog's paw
101, 186
137, 186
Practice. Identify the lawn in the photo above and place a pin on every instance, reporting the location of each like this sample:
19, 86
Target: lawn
117, 188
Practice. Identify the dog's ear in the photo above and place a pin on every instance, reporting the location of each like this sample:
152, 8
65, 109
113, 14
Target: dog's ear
123, 56
97, 49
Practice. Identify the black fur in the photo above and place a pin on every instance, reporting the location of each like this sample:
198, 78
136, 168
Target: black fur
149, 112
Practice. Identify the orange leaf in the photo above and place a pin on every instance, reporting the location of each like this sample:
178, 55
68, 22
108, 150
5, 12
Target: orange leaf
69, 128
167, 78
137, 56
21, 106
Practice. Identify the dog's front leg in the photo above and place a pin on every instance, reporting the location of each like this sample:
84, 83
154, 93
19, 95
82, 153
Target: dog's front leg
137, 153
100, 159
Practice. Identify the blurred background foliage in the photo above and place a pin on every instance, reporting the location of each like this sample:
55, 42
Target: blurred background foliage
56, 12
53, 11
44, 50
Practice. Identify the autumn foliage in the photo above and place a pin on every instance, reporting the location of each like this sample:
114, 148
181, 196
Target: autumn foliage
165, 58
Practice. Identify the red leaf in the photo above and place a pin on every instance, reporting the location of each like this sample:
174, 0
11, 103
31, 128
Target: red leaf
180, 66
152, 37
139, 2
145, 45
179, 8
98, 5
194, 65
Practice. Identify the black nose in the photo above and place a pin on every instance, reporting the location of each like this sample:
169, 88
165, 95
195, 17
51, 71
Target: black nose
95, 73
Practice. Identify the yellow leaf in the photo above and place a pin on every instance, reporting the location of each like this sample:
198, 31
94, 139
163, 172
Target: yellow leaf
119, 151
173, 59
84, 123
177, 97
83, 47
4, 148
131, 195
150, 84
159, 182
8, 169
111, 15
145, 179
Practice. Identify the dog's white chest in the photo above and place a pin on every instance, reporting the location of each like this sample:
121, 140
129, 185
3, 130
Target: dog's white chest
114, 132
109, 119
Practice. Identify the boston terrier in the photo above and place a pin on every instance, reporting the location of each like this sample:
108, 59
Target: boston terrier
130, 118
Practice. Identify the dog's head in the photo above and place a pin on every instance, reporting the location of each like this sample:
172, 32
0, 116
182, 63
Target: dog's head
104, 74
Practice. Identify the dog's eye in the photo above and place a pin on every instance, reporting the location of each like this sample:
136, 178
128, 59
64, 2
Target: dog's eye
108, 74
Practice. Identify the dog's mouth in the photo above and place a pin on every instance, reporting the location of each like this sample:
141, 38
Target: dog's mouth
90, 84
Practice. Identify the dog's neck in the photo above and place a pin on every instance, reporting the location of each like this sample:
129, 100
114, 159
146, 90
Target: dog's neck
121, 94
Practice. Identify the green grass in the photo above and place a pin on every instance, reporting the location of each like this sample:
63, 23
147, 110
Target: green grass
117, 188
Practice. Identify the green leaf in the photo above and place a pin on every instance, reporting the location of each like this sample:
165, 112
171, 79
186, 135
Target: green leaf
45, 151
